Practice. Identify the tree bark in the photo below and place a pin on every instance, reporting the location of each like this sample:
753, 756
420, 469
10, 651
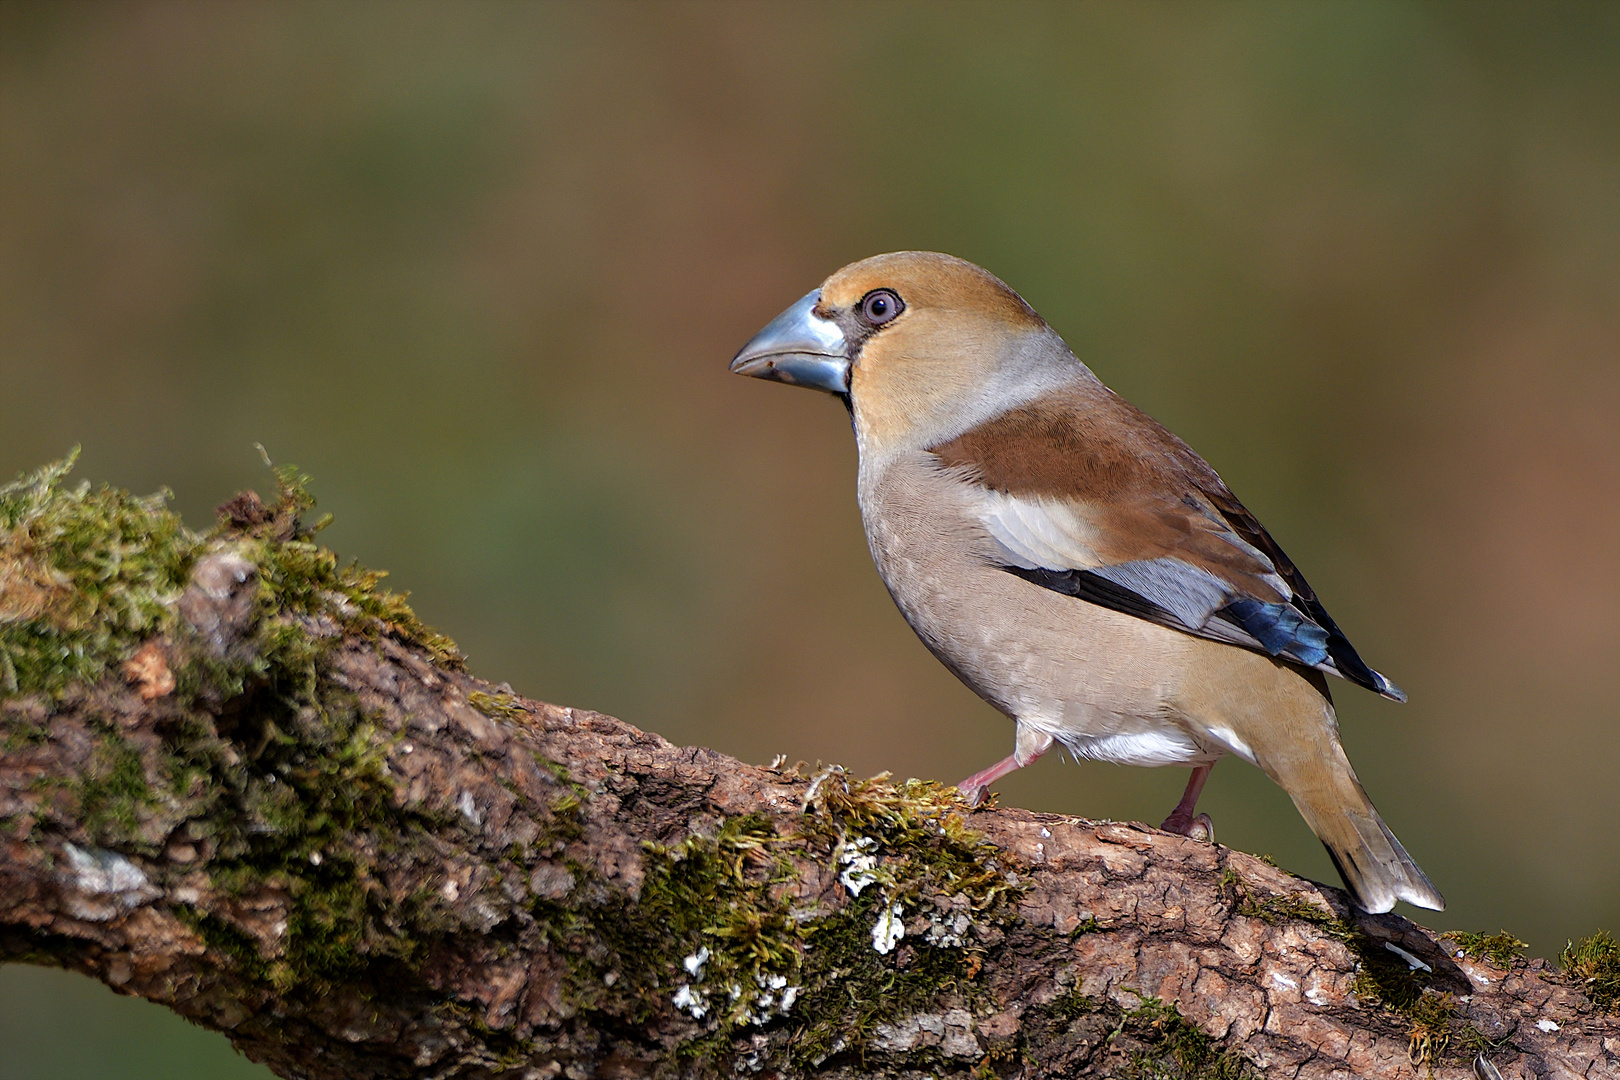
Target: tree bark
287, 813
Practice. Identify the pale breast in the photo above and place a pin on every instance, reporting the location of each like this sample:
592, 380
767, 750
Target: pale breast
1097, 680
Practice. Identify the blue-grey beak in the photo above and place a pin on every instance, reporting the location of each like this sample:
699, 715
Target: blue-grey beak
798, 347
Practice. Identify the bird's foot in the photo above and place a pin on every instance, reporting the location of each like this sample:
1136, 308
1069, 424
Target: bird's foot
975, 787
972, 794
1200, 828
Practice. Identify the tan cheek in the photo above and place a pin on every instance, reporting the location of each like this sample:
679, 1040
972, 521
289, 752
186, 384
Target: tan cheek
878, 410
908, 401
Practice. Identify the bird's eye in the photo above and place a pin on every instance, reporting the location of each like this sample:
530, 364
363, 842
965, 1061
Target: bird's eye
880, 305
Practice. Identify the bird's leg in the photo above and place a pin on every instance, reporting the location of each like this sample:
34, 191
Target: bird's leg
1181, 819
1030, 745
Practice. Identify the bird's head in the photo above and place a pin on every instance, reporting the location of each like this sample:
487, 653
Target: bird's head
921, 345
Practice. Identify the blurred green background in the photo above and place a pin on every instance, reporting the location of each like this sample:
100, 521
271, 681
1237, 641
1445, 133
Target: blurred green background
479, 269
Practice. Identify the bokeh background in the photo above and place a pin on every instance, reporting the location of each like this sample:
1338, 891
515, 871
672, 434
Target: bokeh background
479, 268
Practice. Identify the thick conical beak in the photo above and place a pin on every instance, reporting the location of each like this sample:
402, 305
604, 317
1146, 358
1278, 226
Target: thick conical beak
798, 347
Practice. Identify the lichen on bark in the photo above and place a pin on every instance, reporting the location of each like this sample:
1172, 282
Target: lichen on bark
242, 779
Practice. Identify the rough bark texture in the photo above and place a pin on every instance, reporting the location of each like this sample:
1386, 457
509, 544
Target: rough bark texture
288, 814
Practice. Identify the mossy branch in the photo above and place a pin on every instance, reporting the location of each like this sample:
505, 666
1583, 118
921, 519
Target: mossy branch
243, 780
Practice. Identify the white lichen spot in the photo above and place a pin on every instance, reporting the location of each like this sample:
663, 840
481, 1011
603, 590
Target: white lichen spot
766, 1005
888, 930
947, 930
1046, 832
1546, 1025
859, 862
694, 1002
451, 890
1283, 982
108, 884
1315, 996
469, 809
694, 963
98, 871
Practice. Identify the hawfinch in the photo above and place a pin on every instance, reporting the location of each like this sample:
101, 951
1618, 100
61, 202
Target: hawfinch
1073, 562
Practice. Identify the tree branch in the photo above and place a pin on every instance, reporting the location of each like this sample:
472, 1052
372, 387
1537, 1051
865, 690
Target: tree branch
246, 783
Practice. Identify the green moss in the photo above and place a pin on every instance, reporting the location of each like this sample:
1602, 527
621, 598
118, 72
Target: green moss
498, 706
87, 575
84, 577
1181, 1050
853, 988
1499, 949
1594, 963
560, 772
567, 821
919, 825
299, 803
1277, 909
22, 733
1071, 1004
227, 940
298, 576
718, 930
926, 850
717, 896
114, 795
310, 820
1432, 1015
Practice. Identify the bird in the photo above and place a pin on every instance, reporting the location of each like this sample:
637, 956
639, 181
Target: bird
1078, 566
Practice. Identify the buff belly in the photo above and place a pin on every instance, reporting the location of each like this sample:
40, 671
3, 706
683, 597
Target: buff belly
1103, 684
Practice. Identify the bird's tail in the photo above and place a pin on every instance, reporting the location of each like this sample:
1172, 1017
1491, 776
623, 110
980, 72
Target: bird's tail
1286, 725
1375, 867
1313, 769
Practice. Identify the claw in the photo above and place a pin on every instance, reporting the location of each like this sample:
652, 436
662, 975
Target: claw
1200, 828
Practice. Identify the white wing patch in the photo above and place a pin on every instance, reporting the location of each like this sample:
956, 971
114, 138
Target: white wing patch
1054, 534
1039, 533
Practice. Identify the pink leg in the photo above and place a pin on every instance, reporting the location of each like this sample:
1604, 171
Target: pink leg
1181, 819
1030, 745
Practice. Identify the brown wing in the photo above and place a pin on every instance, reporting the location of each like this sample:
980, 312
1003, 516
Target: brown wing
1166, 539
